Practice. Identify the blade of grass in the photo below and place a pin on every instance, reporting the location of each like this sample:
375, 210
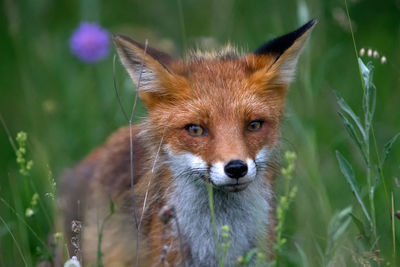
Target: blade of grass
182, 24
336, 228
303, 256
372, 127
100, 234
116, 90
23, 221
352, 132
360, 225
8, 133
44, 210
388, 147
152, 174
393, 233
18, 191
42, 205
348, 173
214, 225
15, 241
346, 108
131, 139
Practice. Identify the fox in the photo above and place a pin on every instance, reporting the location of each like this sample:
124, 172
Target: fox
212, 130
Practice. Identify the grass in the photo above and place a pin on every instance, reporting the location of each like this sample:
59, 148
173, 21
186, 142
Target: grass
100, 235
67, 108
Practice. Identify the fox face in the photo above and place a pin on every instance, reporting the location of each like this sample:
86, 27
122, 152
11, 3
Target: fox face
216, 115
226, 133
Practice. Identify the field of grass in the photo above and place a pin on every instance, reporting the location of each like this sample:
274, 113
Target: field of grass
67, 107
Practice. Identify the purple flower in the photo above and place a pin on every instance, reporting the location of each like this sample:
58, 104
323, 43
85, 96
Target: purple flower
90, 42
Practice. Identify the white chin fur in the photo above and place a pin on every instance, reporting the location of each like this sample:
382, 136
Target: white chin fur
245, 211
185, 162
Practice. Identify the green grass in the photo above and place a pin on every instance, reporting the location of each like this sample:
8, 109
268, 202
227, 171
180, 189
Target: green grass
67, 108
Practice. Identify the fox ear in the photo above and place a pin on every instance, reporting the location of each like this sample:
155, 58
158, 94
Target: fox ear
148, 69
142, 62
282, 53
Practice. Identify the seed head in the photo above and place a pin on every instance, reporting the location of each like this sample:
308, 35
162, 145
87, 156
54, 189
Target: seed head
57, 236
362, 52
73, 262
369, 53
240, 260
383, 59
29, 212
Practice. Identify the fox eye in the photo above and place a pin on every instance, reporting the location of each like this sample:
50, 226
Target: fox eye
255, 125
195, 130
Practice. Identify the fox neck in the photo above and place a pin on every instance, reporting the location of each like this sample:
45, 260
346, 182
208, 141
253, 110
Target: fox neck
246, 213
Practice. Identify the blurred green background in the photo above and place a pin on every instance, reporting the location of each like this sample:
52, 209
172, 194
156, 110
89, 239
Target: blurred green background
68, 107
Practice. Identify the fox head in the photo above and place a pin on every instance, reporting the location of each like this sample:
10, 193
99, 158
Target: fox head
216, 115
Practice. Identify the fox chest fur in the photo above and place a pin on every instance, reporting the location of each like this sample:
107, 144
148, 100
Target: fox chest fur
198, 171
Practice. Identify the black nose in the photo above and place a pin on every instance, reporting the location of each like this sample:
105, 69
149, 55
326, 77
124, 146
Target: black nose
236, 169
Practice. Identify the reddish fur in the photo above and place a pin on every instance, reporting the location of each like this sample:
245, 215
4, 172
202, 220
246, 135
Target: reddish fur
222, 95
208, 107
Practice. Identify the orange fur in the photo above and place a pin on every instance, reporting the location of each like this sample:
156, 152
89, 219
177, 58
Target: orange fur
223, 94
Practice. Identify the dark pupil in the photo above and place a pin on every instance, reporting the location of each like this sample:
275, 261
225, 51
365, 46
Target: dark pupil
195, 129
254, 125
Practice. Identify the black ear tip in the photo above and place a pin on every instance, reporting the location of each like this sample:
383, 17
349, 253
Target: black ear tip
279, 45
310, 23
307, 26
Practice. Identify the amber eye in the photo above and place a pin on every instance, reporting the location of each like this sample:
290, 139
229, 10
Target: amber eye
255, 125
195, 130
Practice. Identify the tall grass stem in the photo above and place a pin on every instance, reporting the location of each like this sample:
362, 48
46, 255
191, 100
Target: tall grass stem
15, 241
372, 126
182, 24
213, 222
23, 221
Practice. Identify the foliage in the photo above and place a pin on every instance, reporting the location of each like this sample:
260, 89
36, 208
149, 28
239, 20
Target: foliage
100, 234
284, 202
24, 164
345, 206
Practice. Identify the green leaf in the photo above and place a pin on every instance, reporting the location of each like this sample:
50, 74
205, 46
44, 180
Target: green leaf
336, 228
352, 132
348, 173
388, 147
365, 72
369, 103
347, 109
360, 225
303, 257
372, 99
369, 98
320, 253
340, 223
248, 256
111, 206
377, 180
